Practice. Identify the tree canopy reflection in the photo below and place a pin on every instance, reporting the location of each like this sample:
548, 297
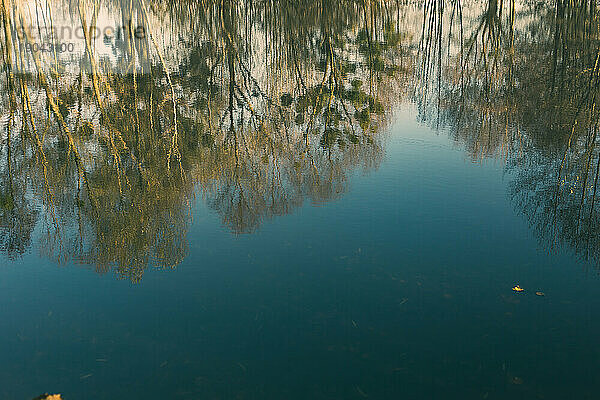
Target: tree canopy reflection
258, 108
520, 80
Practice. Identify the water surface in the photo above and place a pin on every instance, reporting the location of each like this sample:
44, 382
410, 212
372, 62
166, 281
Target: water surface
298, 200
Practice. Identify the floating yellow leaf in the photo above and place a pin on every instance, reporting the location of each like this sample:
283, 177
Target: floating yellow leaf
518, 289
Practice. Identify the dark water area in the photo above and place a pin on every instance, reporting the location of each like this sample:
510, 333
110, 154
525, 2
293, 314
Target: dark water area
293, 200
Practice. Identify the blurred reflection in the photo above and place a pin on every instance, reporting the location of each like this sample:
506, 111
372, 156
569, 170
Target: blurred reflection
253, 107
258, 107
520, 81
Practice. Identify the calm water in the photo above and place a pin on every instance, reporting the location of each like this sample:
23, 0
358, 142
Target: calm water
300, 201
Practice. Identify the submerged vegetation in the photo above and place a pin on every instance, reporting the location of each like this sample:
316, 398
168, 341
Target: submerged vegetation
255, 107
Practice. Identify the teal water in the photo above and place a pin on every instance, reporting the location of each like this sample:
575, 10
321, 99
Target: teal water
292, 199
399, 289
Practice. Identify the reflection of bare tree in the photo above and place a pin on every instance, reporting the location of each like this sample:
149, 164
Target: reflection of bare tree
114, 160
530, 96
565, 215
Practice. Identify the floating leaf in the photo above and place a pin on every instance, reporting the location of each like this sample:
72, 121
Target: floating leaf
517, 381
